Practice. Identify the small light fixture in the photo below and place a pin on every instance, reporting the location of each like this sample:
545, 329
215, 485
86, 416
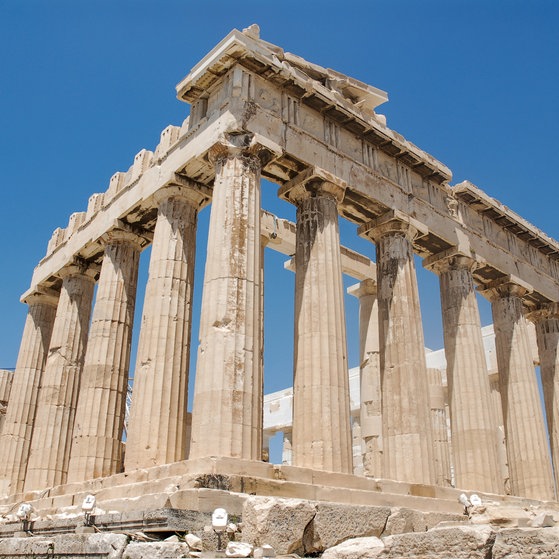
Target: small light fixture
220, 519
475, 500
88, 508
24, 514
463, 499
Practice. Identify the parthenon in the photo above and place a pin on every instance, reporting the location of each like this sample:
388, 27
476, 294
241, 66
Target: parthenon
258, 112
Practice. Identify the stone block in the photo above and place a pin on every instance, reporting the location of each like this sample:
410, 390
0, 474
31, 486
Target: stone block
111, 546
499, 515
128, 504
155, 550
433, 519
542, 520
455, 542
207, 500
335, 523
56, 239
238, 549
521, 543
356, 548
403, 521
94, 204
169, 136
280, 523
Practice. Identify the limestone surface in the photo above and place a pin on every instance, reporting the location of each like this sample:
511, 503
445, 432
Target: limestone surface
110, 546
335, 523
454, 542
356, 548
521, 543
280, 523
155, 550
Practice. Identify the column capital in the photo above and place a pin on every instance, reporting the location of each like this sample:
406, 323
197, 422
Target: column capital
393, 221
79, 267
44, 295
507, 286
363, 288
239, 146
454, 258
544, 312
196, 194
310, 183
123, 233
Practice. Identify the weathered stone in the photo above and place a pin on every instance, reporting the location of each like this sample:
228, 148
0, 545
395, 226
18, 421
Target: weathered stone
543, 520
194, 542
238, 549
268, 550
335, 523
155, 550
321, 434
524, 543
454, 542
407, 433
280, 523
476, 462
433, 519
402, 521
356, 548
527, 445
499, 515
111, 545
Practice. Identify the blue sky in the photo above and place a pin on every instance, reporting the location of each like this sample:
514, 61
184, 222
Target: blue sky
86, 85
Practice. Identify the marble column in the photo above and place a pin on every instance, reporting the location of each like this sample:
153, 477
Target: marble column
6, 378
15, 439
56, 405
227, 409
97, 438
157, 431
473, 424
321, 408
369, 377
441, 444
287, 448
546, 320
527, 447
407, 436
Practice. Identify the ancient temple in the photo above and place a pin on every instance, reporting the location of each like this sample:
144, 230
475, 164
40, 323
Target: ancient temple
259, 112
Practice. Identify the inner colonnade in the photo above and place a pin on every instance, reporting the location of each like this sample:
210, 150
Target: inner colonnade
258, 112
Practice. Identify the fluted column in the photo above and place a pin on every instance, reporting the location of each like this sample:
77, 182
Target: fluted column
97, 437
527, 449
369, 376
6, 378
287, 448
473, 425
227, 409
321, 410
157, 429
441, 444
22, 406
546, 320
56, 405
407, 435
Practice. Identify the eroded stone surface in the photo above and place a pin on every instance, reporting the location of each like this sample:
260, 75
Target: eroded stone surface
523, 543
110, 545
356, 548
280, 523
335, 523
456, 542
155, 550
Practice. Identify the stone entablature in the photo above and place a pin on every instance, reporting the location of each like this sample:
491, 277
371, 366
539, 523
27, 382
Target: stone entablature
258, 112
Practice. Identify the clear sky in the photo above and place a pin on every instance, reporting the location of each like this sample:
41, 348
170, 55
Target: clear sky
86, 85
